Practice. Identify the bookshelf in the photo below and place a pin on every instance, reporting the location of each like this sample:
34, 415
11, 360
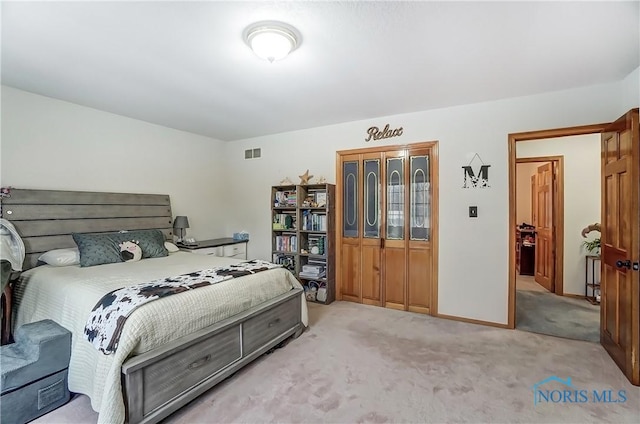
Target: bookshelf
303, 234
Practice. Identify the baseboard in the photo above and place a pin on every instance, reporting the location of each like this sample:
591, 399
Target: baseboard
473, 321
575, 296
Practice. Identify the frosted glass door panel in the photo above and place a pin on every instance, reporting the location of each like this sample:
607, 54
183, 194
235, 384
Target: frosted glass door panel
350, 184
395, 198
372, 198
420, 198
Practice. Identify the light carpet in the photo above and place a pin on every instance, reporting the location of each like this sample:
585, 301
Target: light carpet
365, 364
561, 316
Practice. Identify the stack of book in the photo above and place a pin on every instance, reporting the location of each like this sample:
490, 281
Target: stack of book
312, 271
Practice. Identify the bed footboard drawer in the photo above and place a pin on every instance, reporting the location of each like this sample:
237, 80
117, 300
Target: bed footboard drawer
266, 326
185, 368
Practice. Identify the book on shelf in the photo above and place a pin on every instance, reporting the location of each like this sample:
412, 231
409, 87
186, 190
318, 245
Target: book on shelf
312, 268
314, 221
284, 221
288, 262
312, 276
286, 243
285, 199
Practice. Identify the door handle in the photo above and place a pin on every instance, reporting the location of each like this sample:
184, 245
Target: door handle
624, 264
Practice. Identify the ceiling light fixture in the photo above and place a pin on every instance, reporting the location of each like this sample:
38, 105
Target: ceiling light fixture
272, 40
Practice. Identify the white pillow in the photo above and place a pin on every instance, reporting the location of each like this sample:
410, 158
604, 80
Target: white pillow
61, 257
170, 247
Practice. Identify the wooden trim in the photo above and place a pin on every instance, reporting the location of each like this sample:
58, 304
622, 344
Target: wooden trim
573, 296
472, 321
435, 233
558, 132
512, 139
378, 149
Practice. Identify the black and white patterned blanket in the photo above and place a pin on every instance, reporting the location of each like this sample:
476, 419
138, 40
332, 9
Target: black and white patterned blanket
108, 317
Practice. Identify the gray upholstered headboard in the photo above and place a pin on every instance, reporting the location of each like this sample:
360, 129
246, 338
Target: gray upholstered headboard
45, 219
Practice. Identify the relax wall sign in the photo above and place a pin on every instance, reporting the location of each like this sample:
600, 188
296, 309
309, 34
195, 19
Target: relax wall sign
375, 133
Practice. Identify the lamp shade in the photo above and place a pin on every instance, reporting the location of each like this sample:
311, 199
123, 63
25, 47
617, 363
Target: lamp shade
272, 40
181, 222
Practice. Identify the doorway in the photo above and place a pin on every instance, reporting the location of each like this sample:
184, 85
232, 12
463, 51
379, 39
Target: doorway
563, 297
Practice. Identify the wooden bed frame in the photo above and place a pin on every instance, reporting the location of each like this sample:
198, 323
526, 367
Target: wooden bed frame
156, 383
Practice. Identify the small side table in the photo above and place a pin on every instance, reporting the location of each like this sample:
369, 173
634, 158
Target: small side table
592, 279
226, 246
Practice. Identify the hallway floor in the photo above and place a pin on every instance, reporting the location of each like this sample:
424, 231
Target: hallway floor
539, 311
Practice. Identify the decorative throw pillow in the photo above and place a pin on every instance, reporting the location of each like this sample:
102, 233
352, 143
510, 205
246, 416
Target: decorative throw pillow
130, 251
104, 248
61, 257
97, 249
171, 248
150, 241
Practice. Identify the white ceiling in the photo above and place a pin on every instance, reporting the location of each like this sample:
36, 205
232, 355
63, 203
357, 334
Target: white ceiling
185, 65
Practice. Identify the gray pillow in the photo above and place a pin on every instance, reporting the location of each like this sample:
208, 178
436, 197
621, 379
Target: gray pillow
97, 249
104, 248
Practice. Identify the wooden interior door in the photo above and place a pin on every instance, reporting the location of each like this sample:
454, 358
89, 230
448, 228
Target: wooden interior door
620, 251
534, 196
544, 262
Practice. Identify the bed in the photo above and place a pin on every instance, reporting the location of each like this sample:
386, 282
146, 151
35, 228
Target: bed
172, 349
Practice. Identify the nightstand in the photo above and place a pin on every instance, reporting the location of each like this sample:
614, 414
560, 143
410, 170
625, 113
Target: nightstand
227, 247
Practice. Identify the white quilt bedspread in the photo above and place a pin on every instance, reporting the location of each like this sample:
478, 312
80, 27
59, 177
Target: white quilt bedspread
68, 294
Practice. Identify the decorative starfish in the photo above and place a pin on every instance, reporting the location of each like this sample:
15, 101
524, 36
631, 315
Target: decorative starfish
304, 178
286, 181
322, 180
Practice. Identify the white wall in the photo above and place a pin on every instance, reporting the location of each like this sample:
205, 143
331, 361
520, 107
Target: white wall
473, 262
581, 195
630, 90
524, 171
51, 144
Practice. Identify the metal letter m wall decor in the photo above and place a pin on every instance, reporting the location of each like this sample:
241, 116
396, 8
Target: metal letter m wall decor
470, 178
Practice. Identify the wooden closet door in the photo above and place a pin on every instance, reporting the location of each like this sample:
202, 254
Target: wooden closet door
350, 264
387, 249
371, 243
395, 234
420, 248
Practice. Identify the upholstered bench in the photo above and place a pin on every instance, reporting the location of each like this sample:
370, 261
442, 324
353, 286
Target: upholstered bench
34, 372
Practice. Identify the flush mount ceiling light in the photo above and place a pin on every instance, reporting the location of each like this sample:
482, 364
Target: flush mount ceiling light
272, 40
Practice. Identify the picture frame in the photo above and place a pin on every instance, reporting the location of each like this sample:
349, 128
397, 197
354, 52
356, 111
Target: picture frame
321, 199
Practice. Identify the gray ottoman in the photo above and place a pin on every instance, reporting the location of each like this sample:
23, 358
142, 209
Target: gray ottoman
34, 372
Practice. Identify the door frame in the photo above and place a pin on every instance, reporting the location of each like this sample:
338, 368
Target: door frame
434, 166
514, 138
557, 166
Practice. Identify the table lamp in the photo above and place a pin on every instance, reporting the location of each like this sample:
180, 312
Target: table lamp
180, 223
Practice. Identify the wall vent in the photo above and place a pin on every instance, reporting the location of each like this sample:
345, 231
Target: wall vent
252, 153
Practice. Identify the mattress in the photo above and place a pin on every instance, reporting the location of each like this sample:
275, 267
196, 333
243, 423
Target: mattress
68, 294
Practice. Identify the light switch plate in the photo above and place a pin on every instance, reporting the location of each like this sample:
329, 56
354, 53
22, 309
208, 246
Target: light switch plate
473, 211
